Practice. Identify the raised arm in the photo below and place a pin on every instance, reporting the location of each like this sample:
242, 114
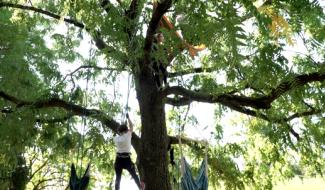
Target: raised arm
130, 123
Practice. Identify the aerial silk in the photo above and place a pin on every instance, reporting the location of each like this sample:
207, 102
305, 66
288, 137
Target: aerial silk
193, 50
200, 182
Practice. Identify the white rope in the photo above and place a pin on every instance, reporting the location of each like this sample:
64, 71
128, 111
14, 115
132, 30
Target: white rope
126, 108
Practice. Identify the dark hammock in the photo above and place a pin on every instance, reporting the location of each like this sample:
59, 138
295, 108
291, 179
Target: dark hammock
76, 183
200, 182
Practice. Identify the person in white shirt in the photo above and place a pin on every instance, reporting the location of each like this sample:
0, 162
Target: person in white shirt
123, 160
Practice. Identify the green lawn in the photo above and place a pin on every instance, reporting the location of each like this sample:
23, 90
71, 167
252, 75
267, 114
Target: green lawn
305, 184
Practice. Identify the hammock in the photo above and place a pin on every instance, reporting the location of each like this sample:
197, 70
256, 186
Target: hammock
187, 180
200, 182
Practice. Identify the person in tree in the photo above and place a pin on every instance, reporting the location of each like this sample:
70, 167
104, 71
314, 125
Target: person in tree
159, 67
123, 159
167, 25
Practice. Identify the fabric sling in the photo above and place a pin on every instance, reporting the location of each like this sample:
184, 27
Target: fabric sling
200, 182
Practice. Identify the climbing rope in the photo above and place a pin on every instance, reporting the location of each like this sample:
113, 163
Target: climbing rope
180, 132
126, 107
80, 153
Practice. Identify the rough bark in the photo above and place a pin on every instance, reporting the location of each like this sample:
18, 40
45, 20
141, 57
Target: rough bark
153, 165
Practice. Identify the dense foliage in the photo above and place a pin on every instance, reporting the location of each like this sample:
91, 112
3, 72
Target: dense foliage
64, 66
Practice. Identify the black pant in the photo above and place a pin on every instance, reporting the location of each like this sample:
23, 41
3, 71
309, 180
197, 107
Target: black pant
124, 162
159, 69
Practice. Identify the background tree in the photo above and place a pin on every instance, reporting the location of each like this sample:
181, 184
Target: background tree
244, 69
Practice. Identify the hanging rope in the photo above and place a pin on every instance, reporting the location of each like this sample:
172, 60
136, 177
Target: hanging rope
126, 108
81, 183
80, 153
182, 123
187, 180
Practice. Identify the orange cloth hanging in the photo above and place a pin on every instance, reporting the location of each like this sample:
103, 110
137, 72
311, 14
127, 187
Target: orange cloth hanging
193, 50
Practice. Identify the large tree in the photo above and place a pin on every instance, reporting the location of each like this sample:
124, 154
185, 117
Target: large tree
244, 68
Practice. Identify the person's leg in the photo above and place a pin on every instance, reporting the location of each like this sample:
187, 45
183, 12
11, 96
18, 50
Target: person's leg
157, 79
165, 79
164, 73
118, 173
156, 74
131, 169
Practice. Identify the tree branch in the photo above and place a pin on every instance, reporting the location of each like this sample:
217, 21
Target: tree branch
158, 12
178, 101
302, 114
47, 13
10, 98
190, 71
74, 109
226, 99
185, 140
261, 102
246, 111
40, 182
6, 110
132, 12
106, 5
38, 169
89, 67
97, 38
297, 81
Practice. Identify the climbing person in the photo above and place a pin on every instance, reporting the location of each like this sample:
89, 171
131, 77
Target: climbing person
123, 159
159, 67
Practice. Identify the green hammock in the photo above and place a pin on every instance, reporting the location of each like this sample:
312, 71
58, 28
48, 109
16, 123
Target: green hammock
188, 182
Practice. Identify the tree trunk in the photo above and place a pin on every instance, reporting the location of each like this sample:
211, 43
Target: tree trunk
19, 177
153, 154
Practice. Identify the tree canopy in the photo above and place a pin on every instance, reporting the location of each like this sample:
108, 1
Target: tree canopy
63, 72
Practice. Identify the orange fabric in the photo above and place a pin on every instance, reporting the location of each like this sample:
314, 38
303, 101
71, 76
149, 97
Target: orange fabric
193, 50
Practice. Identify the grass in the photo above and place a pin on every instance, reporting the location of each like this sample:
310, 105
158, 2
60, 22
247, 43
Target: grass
305, 184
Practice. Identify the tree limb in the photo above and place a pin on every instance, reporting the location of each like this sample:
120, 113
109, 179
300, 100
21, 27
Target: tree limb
158, 12
106, 5
40, 182
38, 169
74, 109
178, 101
297, 81
44, 12
185, 140
97, 37
131, 13
190, 71
246, 111
226, 99
6, 110
89, 67
301, 114
261, 102
10, 98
